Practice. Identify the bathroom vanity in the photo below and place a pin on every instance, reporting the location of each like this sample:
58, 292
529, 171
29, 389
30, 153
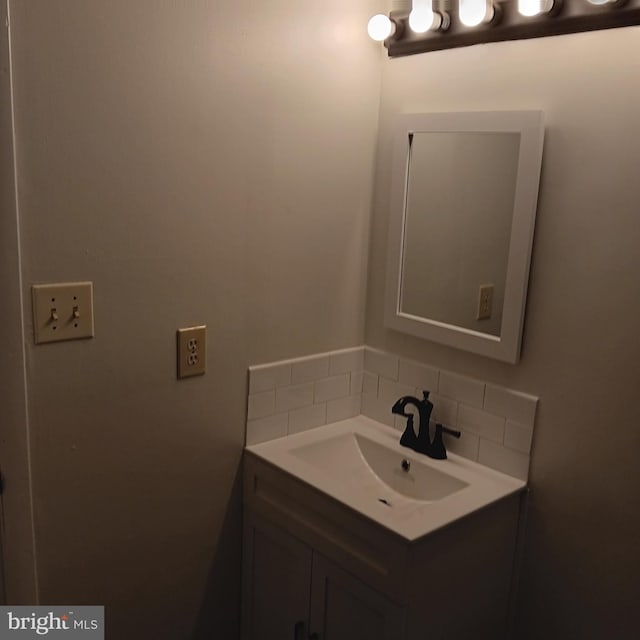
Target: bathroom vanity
348, 535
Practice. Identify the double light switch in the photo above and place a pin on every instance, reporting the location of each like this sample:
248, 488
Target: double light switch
62, 311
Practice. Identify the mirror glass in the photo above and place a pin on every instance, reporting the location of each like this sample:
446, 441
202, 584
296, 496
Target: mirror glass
464, 196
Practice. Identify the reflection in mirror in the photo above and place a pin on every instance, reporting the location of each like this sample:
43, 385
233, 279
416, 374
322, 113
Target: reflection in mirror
458, 181
464, 195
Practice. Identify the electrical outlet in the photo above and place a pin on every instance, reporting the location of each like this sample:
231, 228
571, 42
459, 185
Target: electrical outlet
62, 311
485, 302
192, 351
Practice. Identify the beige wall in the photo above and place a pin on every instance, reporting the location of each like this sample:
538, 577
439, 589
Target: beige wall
581, 351
200, 162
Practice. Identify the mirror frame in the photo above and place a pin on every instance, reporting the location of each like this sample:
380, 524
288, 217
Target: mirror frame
530, 126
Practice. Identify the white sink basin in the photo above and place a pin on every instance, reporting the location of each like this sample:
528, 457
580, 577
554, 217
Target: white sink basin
359, 462
356, 458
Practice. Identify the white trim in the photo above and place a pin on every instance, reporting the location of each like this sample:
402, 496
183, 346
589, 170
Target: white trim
27, 563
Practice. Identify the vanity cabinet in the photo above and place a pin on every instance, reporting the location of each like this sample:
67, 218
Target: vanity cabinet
312, 565
293, 592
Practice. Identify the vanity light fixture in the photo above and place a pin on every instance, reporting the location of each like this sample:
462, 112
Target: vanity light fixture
431, 25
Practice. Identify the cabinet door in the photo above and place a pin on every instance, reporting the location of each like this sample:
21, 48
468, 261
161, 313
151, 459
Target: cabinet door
276, 581
344, 608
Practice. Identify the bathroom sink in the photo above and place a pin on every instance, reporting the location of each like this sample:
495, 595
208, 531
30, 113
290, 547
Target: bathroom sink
355, 458
360, 463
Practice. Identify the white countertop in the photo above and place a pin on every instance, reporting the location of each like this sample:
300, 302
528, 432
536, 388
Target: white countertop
344, 474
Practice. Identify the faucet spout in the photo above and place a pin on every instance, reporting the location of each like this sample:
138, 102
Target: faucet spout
401, 404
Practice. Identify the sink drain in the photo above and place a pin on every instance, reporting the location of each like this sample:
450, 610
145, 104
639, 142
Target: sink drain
385, 501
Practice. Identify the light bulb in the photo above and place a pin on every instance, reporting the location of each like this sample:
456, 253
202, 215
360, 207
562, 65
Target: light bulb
380, 27
474, 12
531, 8
421, 18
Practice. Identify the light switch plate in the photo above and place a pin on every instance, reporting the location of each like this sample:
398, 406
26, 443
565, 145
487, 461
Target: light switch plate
192, 351
62, 311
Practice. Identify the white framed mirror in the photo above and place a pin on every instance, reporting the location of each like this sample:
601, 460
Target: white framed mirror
464, 194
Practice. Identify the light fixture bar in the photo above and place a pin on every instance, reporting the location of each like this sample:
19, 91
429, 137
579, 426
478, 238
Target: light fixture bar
555, 18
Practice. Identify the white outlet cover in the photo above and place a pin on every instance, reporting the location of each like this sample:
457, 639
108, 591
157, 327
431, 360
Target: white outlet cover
192, 351
485, 302
62, 311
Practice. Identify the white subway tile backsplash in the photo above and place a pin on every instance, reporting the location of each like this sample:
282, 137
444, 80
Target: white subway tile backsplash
346, 361
466, 445
294, 397
462, 389
518, 437
502, 459
370, 384
390, 391
261, 404
514, 405
270, 376
445, 410
417, 375
484, 424
307, 417
377, 409
331, 388
343, 408
355, 385
269, 428
309, 369
291, 396
381, 363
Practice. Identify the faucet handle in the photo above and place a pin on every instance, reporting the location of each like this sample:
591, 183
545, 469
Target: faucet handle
447, 430
438, 450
